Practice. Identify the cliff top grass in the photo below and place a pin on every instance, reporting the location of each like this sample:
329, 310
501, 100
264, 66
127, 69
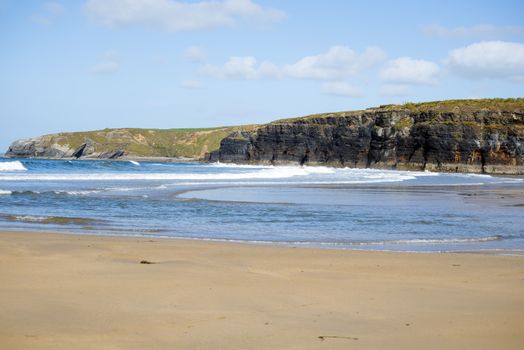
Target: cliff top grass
464, 106
187, 142
468, 105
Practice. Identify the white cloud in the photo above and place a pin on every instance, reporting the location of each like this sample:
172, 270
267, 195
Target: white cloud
191, 84
195, 54
176, 16
339, 88
489, 59
481, 30
338, 62
406, 70
234, 68
109, 63
395, 90
243, 68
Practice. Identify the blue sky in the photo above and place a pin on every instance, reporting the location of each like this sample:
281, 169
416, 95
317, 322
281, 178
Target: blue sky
83, 65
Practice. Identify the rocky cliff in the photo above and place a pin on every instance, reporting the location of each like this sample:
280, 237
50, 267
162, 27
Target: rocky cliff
115, 143
484, 136
461, 135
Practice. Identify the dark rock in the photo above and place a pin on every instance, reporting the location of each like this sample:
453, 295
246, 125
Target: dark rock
236, 147
472, 141
37, 147
47, 147
112, 154
21, 148
146, 262
84, 149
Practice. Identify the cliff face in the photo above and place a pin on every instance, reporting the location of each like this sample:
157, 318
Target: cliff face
115, 143
465, 136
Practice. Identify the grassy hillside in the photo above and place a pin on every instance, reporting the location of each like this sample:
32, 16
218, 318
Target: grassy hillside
150, 142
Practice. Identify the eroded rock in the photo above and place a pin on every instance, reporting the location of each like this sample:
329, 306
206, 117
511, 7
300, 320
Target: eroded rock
471, 141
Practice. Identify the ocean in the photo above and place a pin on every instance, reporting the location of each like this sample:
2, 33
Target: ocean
366, 209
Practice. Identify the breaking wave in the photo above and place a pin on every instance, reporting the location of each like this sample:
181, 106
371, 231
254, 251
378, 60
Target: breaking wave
434, 241
366, 243
12, 166
57, 220
229, 174
269, 173
323, 174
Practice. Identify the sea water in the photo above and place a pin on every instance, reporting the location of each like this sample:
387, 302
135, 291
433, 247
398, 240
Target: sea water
291, 205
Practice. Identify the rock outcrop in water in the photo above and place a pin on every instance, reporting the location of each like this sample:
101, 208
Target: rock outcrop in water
48, 147
464, 136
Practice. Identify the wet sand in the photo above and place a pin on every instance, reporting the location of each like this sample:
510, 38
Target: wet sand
86, 292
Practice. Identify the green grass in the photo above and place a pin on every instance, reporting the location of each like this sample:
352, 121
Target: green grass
467, 105
491, 104
188, 142
404, 122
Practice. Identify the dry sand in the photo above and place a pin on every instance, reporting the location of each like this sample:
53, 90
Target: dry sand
85, 292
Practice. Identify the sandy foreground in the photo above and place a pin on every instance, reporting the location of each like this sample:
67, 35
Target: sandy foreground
86, 292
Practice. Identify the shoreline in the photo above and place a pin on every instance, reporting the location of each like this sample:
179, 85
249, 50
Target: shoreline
241, 243
519, 173
290, 245
63, 291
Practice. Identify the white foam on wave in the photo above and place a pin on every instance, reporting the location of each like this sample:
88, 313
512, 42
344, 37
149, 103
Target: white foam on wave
385, 242
256, 174
254, 183
312, 169
334, 244
239, 166
78, 193
84, 192
438, 241
12, 166
270, 173
134, 162
30, 218
59, 192
109, 189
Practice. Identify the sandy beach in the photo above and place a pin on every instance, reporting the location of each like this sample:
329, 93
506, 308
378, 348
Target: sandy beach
85, 292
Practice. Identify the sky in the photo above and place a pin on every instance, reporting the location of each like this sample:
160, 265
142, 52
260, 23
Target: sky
94, 64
